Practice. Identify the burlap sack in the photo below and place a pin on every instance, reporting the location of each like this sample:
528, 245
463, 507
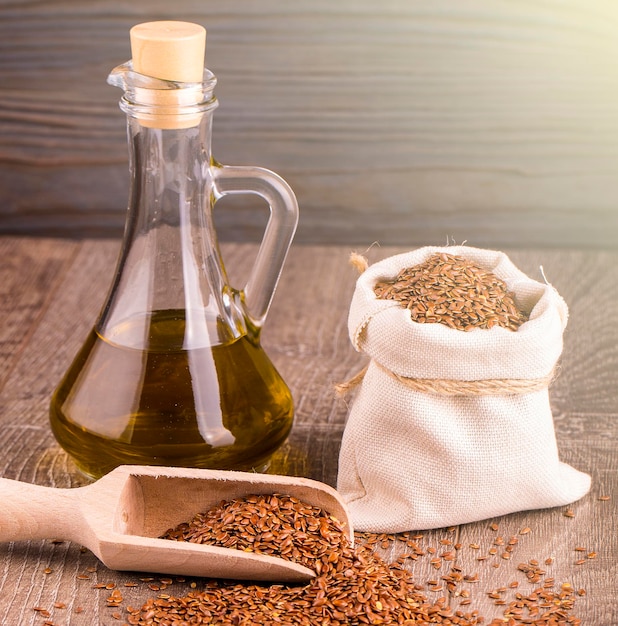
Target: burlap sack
413, 456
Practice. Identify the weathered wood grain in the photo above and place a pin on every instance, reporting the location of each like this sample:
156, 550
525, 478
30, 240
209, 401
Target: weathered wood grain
29, 273
492, 122
306, 336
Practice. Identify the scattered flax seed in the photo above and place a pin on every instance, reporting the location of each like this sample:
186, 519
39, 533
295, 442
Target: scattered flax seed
569, 513
525, 531
604, 498
41, 611
493, 526
47, 570
115, 598
355, 587
543, 607
532, 571
454, 291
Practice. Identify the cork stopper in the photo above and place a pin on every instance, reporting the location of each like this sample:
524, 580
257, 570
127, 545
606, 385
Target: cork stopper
169, 50
172, 51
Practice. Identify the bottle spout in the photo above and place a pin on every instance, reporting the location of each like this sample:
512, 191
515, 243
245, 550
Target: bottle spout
127, 78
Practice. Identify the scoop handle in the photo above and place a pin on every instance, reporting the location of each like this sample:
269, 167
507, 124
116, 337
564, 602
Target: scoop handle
34, 512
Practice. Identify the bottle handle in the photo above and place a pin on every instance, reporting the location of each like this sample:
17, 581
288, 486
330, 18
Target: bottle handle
260, 287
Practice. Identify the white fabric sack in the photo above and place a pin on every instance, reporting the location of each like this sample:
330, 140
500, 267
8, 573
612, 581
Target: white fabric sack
413, 460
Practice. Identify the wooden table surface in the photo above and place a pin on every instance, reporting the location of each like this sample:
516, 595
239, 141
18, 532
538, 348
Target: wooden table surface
51, 294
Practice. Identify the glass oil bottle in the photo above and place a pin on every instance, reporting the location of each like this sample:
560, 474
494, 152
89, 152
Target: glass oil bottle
173, 372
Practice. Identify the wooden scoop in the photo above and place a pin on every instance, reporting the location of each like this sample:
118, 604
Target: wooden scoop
121, 516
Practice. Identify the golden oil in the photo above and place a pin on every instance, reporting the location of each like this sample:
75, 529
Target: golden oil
222, 406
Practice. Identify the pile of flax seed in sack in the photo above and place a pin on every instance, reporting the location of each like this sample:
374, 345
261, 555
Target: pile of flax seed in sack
452, 421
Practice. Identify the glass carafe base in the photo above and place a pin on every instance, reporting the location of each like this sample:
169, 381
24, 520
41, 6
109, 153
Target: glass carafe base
219, 407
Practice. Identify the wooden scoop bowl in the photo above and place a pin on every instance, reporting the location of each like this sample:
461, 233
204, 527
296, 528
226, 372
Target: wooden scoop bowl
120, 517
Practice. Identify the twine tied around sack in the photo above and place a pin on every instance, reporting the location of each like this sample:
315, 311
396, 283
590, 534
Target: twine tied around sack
443, 387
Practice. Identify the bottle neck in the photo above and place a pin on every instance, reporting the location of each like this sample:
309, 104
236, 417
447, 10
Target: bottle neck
170, 172
169, 128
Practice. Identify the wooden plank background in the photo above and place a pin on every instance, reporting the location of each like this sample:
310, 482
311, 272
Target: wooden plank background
403, 121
